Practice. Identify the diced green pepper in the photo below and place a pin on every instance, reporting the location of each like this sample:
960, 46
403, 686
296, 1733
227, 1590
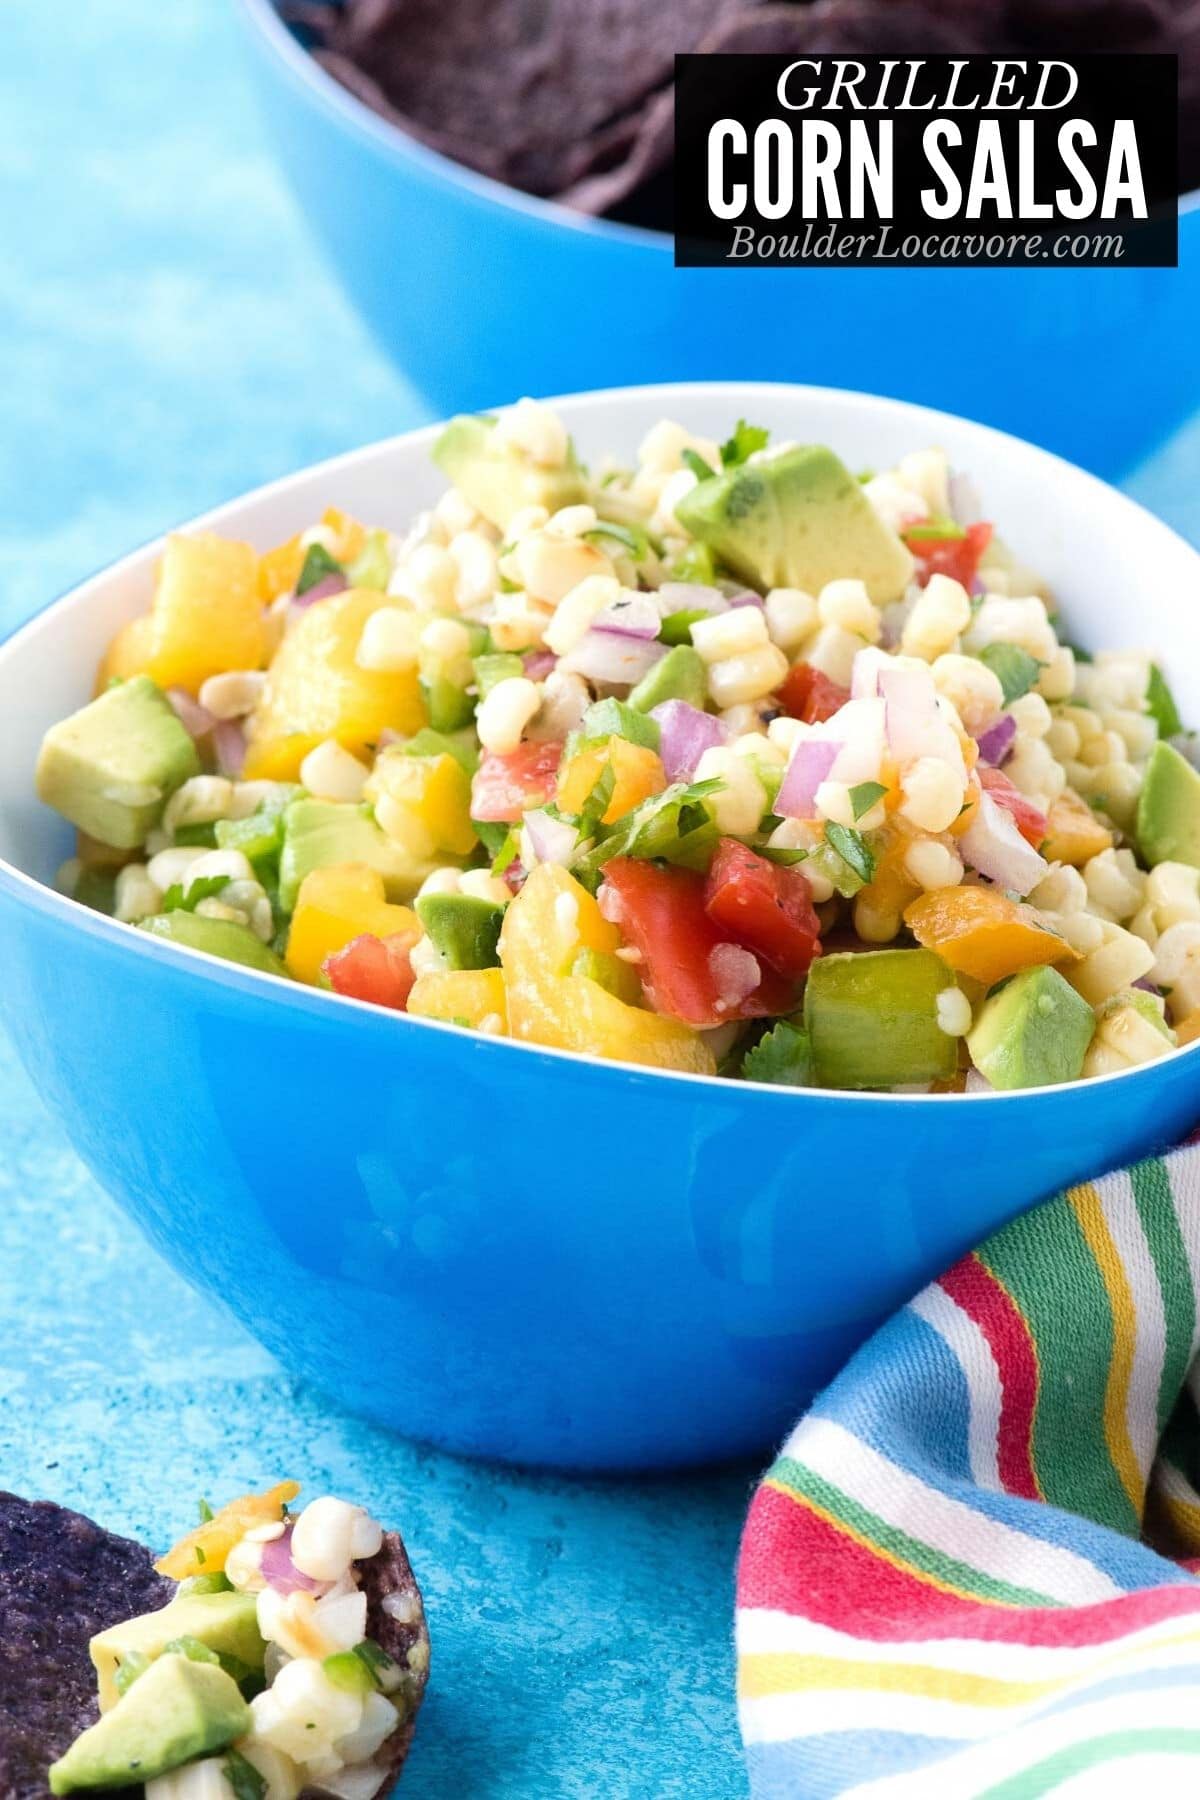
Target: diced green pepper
617, 718
494, 667
872, 1019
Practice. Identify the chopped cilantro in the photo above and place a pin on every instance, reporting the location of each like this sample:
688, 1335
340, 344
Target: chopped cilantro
1014, 669
741, 446
506, 852
316, 566
630, 537
1160, 704
377, 1661
200, 1556
866, 795
783, 1057
245, 1780
197, 837
675, 825
692, 460
853, 849
206, 888
493, 833
206, 1511
596, 805
786, 859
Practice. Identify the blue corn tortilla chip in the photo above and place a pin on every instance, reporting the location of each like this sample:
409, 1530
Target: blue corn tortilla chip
62, 1579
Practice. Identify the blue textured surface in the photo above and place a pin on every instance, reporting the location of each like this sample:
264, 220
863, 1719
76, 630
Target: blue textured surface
169, 339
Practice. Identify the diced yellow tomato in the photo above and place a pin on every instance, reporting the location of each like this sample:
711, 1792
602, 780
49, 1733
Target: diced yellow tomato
545, 927
466, 996
207, 615
637, 774
279, 570
888, 892
203, 1551
1188, 1030
316, 690
349, 537
434, 793
1074, 833
334, 906
130, 653
981, 933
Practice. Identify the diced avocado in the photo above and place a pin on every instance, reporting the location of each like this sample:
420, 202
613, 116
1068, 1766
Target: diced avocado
1168, 814
872, 1019
617, 718
372, 567
219, 937
319, 833
177, 1711
226, 1622
1034, 1031
679, 675
497, 478
112, 766
797, 519
1148, 1006
465, 928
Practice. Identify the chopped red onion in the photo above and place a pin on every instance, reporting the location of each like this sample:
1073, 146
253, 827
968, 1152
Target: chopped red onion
689, 596
996, 742
811, 762
325, 589
976, 1083
911, 715
993, 845
634, 616
229, 742
551, 840
1147, 986
744, 597
964, 499
869, 664
539, 663
388, 737
610, 903
196, 720
736, 973
281, 1573
685, 734
611, 657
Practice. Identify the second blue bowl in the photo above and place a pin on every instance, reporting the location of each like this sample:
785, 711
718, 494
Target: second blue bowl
478, 290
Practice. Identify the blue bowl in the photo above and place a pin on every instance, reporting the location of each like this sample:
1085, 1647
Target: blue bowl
478, 290
516, 1252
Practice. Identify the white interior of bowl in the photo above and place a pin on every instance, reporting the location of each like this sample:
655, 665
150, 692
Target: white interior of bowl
1122, 578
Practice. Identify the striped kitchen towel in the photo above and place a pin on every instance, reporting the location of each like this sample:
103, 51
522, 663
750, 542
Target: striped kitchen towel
966, 1574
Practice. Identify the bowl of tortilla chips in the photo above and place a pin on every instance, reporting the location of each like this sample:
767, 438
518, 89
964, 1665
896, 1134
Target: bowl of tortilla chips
491, 181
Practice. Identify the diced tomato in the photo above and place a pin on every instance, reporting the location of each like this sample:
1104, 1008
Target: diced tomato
1029, 819
689, 966
958, 557
506, 786
375, 969
766, 907
805, 693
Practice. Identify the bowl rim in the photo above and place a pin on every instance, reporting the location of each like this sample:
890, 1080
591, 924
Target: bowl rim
27, 890
262, 16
